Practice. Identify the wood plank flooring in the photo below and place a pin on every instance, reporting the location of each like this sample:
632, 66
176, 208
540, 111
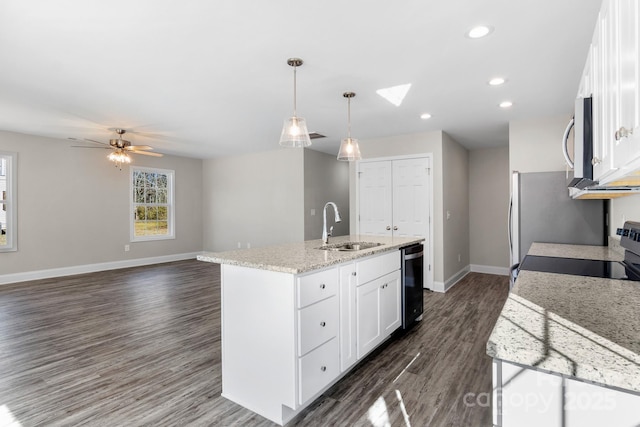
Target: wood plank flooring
141, 347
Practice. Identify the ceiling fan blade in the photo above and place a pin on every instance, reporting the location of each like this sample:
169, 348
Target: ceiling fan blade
147, 153
86, 146
97, 142
138, 147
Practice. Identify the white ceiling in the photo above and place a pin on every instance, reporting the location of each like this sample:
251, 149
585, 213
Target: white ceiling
209, 78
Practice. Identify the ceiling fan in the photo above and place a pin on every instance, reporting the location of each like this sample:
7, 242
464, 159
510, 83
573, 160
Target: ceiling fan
120, 148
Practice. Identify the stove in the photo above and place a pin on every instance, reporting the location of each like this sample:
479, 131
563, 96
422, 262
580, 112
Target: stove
629, 269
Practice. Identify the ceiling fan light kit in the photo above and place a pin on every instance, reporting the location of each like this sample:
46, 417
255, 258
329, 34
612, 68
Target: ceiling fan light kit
349, 148
294, 131
120, 148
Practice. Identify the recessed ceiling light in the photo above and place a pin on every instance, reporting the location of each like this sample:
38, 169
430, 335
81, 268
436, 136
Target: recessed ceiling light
497, 81
506, 104
395, 94
479, 32
425, 116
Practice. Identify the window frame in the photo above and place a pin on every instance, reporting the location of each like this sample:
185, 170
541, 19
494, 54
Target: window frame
170, 205
11, 201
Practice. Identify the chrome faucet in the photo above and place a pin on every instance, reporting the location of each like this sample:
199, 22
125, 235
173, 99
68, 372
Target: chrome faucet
325, 235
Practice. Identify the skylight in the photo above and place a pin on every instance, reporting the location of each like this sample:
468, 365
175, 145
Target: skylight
395, 94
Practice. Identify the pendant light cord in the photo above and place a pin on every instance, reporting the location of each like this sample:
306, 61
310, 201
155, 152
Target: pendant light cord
349, 118
294, 92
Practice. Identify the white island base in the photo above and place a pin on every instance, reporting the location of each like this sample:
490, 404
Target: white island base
286, 338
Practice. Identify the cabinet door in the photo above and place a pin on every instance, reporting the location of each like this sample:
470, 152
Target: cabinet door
348, 333
390, 309
411, 197
627, 148
368, 321
375, 208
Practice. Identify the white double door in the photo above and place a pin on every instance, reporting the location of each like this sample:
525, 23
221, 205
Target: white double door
394, 198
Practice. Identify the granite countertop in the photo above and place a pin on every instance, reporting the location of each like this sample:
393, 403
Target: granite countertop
302, 257
603, 253
583, 327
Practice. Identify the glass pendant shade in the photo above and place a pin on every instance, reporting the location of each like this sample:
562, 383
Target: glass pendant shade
349, 150
295, 133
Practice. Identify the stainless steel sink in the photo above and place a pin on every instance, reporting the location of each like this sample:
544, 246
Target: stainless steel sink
350, 246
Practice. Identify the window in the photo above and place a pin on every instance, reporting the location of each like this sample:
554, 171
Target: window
8, 199
152, 204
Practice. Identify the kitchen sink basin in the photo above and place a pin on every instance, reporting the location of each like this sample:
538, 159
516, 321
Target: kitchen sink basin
350, 246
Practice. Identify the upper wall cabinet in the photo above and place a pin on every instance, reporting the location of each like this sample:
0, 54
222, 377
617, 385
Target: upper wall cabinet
611, 76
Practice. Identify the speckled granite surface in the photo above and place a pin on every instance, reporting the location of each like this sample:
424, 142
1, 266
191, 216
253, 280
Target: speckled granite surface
583, 327
575, 251
302, 257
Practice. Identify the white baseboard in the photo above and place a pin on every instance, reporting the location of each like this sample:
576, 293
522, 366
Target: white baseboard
489, 269
443, 287
91, 268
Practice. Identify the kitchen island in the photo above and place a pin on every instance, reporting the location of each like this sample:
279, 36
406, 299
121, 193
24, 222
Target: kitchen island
566, 348
296, 318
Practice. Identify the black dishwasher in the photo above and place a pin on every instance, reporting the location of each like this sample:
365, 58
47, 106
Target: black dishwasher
412, 284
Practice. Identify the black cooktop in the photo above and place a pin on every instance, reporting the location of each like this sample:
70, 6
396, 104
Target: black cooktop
579, 267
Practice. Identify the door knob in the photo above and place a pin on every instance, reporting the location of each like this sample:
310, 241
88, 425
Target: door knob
395, 227
388, 227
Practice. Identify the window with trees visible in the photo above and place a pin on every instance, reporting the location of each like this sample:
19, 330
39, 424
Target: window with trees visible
8, 199
152, 204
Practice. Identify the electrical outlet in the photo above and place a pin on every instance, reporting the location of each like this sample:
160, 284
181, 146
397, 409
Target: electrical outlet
126, 248
448, 215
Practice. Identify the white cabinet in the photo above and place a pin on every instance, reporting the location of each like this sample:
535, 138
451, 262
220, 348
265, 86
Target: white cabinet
612, 74
394, 197
378, 311
286, 338
525, 397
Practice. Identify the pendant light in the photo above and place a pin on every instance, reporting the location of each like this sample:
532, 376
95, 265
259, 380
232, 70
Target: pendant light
349, 149
294, 132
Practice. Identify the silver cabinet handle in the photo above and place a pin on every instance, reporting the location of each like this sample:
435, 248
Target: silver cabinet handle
388, 227
595, 161
623, 133
323, 368
395, 227
323, 324
322, 286
354, 273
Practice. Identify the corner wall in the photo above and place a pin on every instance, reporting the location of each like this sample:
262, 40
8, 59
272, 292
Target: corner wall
325, 180
255, 199
488, 210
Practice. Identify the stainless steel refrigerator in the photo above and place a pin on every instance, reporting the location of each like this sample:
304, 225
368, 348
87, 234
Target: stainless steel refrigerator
542, 211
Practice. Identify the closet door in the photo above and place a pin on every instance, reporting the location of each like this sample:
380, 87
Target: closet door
375, 208
411, 197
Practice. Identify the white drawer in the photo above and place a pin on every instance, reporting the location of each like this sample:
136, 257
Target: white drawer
317, 286
378, 266
318, 368
318, 323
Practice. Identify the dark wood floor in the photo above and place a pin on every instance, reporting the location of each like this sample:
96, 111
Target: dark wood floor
141, 346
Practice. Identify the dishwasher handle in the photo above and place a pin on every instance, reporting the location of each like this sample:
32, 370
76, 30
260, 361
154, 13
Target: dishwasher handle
414, 256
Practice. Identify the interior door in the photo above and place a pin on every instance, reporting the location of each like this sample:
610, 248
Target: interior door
375, 198
411, 197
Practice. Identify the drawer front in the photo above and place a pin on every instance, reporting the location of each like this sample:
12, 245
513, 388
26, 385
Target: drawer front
317, 286
318, 368
378, 266
318, 323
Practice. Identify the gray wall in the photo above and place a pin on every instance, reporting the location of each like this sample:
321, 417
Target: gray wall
256, 199
488, 207
455, 182
73, 206
535, 144
325, 180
